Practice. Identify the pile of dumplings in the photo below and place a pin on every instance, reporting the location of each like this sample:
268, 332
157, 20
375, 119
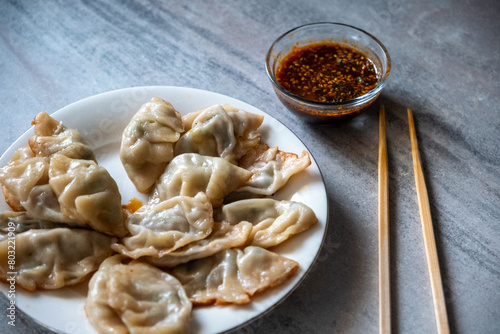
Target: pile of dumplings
202, 237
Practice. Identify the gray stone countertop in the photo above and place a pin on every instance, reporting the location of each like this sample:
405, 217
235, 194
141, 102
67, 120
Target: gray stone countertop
445, 66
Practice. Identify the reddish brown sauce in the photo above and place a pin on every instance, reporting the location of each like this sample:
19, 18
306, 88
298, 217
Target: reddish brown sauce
327, 72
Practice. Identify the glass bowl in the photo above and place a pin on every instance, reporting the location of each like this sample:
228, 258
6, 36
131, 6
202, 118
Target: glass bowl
328, 32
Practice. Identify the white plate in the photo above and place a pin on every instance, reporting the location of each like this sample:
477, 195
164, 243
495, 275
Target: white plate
101, 119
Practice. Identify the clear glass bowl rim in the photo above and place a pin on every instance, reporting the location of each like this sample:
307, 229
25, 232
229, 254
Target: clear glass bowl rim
356, 101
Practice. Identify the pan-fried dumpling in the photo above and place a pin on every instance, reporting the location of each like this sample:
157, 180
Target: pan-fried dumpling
271, 168
261, 269
54, 258
273, 221
223, 236
159, 228
148, 142
233, 276
87, 193
190, 173
220, 131
53, 137
136, 298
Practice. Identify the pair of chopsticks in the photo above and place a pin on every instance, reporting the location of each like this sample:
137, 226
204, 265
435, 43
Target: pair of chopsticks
427, 229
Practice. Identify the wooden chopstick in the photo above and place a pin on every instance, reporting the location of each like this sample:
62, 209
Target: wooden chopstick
383, 235
428, 232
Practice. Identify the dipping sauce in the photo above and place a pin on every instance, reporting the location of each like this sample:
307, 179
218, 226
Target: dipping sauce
327, 72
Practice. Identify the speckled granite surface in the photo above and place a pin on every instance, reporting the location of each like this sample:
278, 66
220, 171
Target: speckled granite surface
446, 61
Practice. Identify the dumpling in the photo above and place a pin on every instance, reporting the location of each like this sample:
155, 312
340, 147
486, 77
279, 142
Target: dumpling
129, 296
24, 179
223, 236
148, 142
261, 269
25, 186
54, 258
273, 221
211, 134
157, 229
87, 193
245, 125
190, 173
23, 172
53, 137
271, 168
18, 222
42, 203
213, 280
233, 276
220, 131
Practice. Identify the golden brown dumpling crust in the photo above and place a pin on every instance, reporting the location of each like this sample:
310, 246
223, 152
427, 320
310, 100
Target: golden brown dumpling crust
233, 276
12, 200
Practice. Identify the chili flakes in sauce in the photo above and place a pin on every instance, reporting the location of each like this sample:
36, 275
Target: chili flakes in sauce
327, 72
